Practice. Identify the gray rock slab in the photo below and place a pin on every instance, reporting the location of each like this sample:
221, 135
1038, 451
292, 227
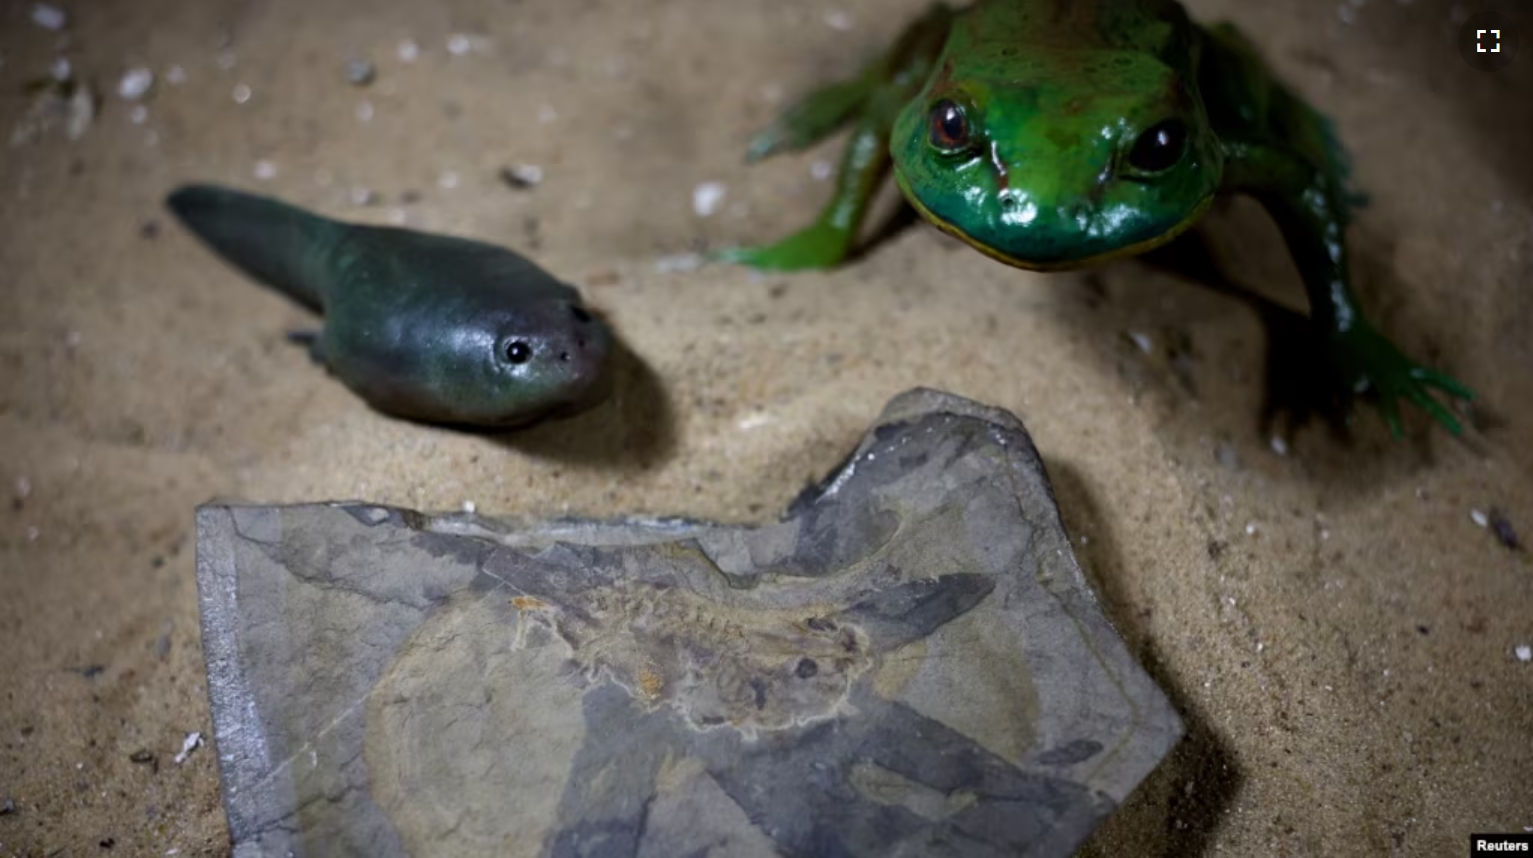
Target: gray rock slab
909, 663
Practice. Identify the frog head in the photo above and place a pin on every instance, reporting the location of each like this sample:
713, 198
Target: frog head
1049, 159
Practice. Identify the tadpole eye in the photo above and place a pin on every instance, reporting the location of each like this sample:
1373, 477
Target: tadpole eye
1159, 148
949, 126
517, 352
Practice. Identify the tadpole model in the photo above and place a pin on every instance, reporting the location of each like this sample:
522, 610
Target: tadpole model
427, 327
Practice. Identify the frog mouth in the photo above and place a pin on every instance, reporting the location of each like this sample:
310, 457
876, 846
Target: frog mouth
1053, 264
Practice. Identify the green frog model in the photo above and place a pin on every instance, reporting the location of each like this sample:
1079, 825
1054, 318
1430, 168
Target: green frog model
1052, 134
427, 327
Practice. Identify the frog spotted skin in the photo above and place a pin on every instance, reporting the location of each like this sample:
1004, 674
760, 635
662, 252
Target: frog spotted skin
427, 327
1054, 134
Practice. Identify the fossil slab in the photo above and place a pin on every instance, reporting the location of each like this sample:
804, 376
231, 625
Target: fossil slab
908, 663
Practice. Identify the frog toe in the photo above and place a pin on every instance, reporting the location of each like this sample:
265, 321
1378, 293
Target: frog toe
1389, 409
1425, 402
1443, 382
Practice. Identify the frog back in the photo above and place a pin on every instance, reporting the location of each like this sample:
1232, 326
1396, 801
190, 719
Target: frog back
998, 35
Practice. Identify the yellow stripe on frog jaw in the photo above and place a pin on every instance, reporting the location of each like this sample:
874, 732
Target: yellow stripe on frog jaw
1118, 253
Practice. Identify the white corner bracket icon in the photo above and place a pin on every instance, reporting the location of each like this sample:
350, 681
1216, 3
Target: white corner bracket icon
1479, 42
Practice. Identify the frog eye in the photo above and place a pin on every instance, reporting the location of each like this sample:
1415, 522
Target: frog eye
516, 352
1159, 148
949, 127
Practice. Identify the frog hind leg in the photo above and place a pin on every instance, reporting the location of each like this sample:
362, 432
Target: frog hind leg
1291, 161
872, 101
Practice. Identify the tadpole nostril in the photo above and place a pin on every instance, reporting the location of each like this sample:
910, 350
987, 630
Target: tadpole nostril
564, 356
580, 313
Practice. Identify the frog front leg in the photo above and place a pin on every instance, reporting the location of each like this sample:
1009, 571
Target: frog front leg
1309, 207
872, 99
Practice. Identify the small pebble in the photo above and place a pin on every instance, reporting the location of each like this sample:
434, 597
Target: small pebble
60, 68
409, 51
265, 170
363, 197
23, 487
755, 420
365, 111
139, 114
1142, 341
522, 176
707, 197
1524, 652
175, 75
458, 44
547, 114
135, 83
838, 20
49, 16
192, 742
360, 72
1279, 446
470, 507
448, 180
1251, 528
241, 93
227, 59
821, 170
1479, 518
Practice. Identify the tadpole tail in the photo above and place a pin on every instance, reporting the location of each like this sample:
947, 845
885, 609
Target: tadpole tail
282, 246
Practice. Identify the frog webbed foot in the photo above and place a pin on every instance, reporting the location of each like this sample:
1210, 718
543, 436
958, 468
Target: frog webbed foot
817, 246
1315, 373
1367, 364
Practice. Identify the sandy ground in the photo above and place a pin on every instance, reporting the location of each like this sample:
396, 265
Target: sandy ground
1339, 633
